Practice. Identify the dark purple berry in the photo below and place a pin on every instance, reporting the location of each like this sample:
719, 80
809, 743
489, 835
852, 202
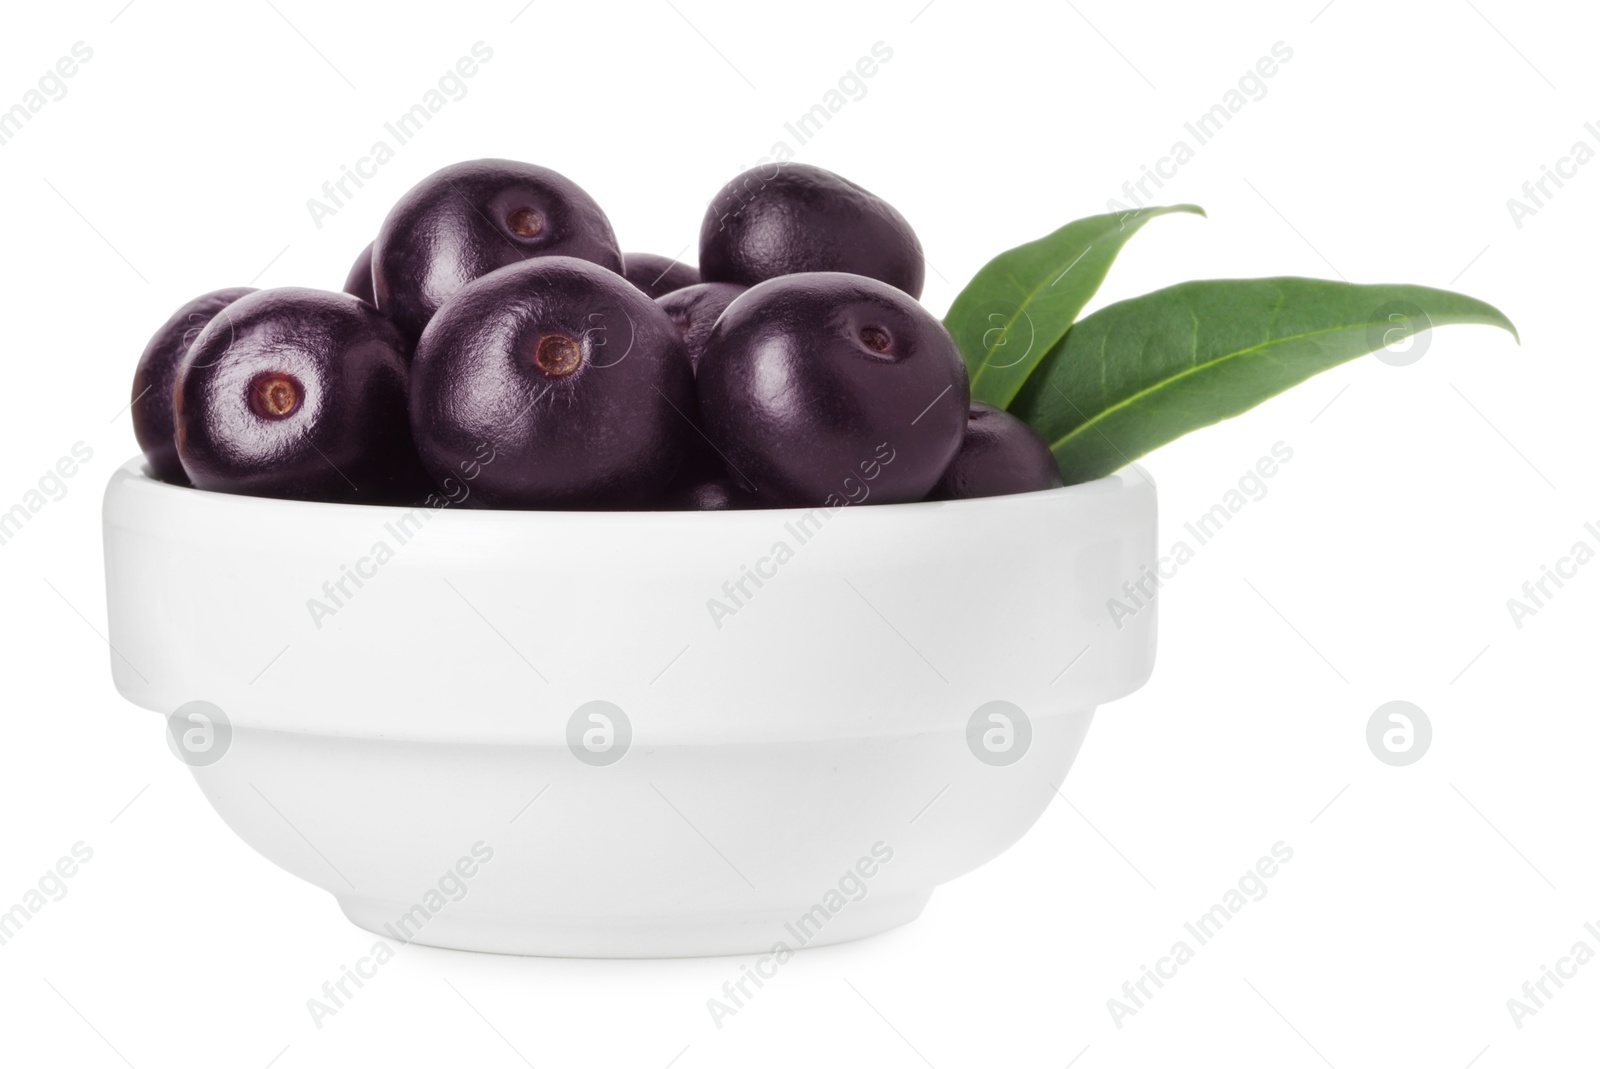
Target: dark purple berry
157, 374
695, 310
999, 455
784, 218
359, 282
832, 389
716, 493
657, 275
471, 218
574, 381
297, 393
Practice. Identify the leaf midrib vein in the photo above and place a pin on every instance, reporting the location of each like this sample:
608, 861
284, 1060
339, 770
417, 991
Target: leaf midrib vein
1027, 300
1192, 369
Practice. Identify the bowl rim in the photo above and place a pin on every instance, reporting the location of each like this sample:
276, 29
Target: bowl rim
137, 470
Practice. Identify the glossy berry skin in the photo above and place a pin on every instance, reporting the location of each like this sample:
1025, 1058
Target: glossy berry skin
695, 310
832, 389
157, 374
297, 393
999, 455
358, 283
575, 379
784, 218
657, 275
716, 493
468, 219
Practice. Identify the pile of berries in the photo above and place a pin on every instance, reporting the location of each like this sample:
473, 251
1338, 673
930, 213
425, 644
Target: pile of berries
494, 347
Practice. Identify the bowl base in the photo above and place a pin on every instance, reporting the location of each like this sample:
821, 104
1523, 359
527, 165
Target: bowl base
759, 932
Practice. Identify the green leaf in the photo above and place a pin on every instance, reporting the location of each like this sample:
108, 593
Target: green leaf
1139, 373
1022, 302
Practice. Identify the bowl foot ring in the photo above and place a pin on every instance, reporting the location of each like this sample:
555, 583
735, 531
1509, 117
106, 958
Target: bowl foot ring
702, 935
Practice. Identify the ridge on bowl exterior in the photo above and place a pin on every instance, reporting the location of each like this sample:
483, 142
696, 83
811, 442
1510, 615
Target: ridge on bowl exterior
628, 734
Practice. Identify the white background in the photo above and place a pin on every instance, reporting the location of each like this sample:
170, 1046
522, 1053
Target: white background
1376, 568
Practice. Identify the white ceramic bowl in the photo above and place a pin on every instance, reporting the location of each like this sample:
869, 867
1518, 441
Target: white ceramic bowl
800, 766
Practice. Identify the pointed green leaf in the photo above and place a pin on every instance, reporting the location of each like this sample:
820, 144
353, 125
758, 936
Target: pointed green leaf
1022, 302
1139, 373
